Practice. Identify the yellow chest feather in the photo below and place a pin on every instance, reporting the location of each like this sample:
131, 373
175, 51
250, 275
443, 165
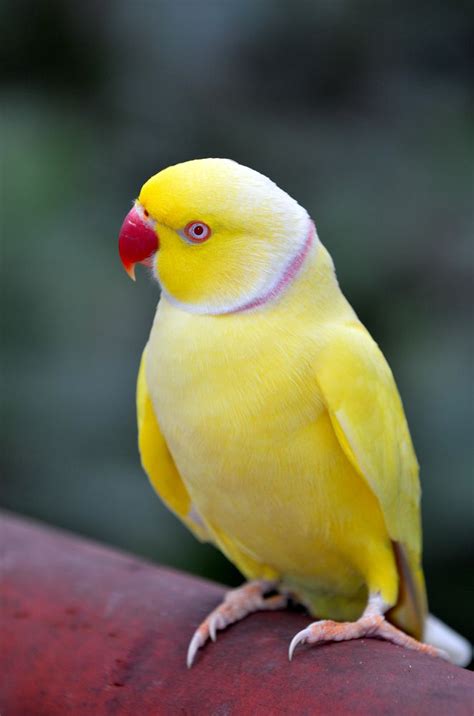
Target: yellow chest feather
238, 402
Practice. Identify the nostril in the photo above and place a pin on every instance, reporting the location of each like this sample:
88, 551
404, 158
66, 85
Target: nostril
145, 212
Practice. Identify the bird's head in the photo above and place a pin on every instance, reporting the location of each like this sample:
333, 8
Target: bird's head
218, 236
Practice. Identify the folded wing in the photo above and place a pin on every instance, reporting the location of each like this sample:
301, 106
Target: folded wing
368, 418
158, 462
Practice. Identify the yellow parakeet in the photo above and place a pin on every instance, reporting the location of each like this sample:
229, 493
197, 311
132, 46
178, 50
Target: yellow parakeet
269, 420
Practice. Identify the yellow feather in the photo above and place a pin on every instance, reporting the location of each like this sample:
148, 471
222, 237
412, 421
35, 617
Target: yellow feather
157, 461
280, 427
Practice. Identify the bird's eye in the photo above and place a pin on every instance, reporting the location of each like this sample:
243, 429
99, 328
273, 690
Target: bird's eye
145, 213
197, 231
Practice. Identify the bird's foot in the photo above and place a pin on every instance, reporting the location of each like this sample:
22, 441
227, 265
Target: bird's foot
237, 604
367, 626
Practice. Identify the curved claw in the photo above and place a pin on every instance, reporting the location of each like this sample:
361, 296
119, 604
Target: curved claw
213, 626
208, 629
368, 625
299, 638
196, 642
236, 605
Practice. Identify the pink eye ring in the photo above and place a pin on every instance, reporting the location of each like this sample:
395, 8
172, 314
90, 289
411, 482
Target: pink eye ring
197, 232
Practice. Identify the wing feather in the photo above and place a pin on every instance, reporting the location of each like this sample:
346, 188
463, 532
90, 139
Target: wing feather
158, 462
369, 421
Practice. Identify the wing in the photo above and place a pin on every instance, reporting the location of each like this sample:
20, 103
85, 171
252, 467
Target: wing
368, 418
158, 462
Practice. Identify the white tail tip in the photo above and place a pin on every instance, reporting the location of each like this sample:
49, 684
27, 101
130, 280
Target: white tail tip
440, 635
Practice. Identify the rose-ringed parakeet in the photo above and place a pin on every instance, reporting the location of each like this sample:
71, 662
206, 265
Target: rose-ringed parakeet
269, 420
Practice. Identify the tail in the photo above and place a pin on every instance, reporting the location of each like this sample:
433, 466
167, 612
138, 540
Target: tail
443, 637
409, 612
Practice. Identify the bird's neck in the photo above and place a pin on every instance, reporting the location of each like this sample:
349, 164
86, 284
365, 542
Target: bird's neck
284, 278
317, 287
306, 283
308, 286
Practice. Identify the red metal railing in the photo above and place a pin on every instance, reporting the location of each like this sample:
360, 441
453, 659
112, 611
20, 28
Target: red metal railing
87, 630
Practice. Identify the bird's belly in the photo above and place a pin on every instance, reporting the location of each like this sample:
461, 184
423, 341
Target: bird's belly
256, 449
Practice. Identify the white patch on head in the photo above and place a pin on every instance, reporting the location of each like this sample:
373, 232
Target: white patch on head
141, 213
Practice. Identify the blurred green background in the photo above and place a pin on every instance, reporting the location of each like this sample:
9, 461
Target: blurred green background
362, 111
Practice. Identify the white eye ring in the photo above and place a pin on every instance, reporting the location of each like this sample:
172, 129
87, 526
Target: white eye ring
197, 232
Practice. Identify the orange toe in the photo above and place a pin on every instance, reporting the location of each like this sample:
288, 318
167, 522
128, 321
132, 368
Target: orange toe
367, 626
238, 603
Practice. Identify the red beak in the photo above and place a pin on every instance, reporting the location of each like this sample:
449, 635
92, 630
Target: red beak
138, 241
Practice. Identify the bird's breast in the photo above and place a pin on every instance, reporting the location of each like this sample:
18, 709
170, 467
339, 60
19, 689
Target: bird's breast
240, 409
239, 406
219, 384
